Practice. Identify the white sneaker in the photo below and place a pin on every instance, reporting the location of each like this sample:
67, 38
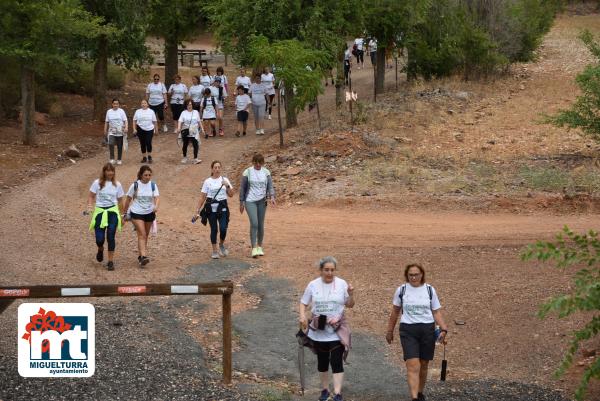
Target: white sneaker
112, 161
257, 132
223, 251
262, 131
174, 130
197, 161
270, 117
119, 162
165, 128
184, 160
215, 255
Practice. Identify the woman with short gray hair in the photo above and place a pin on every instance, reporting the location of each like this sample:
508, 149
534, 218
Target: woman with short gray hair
328, 329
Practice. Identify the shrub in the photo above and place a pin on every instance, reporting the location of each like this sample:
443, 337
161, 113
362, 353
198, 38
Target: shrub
56, 110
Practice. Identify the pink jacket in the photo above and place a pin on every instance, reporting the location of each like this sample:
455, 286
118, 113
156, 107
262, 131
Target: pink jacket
341, 328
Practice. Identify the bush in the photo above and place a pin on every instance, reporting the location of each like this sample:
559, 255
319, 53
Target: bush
56, 110
79, 78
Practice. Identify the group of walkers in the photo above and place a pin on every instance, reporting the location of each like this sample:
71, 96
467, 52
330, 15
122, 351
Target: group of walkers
197, 110
110, 207
327, 333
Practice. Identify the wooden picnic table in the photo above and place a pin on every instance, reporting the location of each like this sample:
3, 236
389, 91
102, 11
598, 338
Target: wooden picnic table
194, 52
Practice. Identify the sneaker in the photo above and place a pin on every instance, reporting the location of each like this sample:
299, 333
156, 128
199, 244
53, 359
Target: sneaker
144, 261
139, 259
421, 397
260, 251
254, 252
205, 136
215, 255
149, 159
221, 133
262, 131
119, 162
237, 133
112, 161
184, 160
338, 397
244, 133
324, 395
100, 255
197, 161
223, 251
175, 130
165, 128
270, 118
110, 266
144, 160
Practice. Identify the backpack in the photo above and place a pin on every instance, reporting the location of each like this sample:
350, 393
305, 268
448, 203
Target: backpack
204, 100
135, 188
429, 291
355, 49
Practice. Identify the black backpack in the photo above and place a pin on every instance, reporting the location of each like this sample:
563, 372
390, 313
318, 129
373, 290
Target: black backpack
213, 102
429, 291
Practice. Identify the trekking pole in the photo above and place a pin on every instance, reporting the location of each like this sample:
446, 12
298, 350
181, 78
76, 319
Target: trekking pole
444, 366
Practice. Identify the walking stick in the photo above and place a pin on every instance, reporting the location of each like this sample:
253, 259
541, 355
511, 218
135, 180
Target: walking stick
444, 366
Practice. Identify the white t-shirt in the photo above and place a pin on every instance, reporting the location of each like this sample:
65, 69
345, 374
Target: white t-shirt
269, 81
143, 203
244, 81
196, 92
189, 118
258, 92
257, 184
373, 45
116, 120
326, 299
242, 101
416, 306
178, 92
211, 186
209, 111
359, 42
145, 119
224, 84
109, 195
156, 93
347, 55
206, 80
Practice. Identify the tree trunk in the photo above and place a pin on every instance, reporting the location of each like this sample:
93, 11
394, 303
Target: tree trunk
291, 119
100, 79
28, 105
380, 83
171, 60
279, 118
339, 82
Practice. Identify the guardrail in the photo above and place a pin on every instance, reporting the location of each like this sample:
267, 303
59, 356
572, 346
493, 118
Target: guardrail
225, 288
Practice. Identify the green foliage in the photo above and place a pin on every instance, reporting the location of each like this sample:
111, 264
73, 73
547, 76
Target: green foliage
79, 78
291, 59
585, 112
179, 19
582, 250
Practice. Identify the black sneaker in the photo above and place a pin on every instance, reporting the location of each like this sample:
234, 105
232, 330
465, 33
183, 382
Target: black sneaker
139, 259
244, 133
421, 397
100, 255
110, 266
205, 136
144, 160
150, 159
144, 261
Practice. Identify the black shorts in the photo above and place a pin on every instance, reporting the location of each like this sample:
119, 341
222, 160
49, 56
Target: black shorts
159, 110
242, 116
176, 110
209, 119
148, 218
418, 340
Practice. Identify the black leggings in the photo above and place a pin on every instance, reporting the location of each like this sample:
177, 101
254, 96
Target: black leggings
106, 232
360, 56
346, 71
118, 141
186, 140
330, 352
218, 223
145, 138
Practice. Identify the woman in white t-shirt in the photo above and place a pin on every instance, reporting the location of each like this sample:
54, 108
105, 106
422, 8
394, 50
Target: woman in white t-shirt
188, 128
255, 189
242, 107
218, 92
115, 129
243, 80
420, 308
177, 93
156, 95
205, 78
141, 205
106, 198
144, 121
259, 103
195, 92
208, 111
327, 297
224, 81
213, 198
268, 80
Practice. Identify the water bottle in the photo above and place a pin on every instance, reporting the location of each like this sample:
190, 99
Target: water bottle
437, 333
